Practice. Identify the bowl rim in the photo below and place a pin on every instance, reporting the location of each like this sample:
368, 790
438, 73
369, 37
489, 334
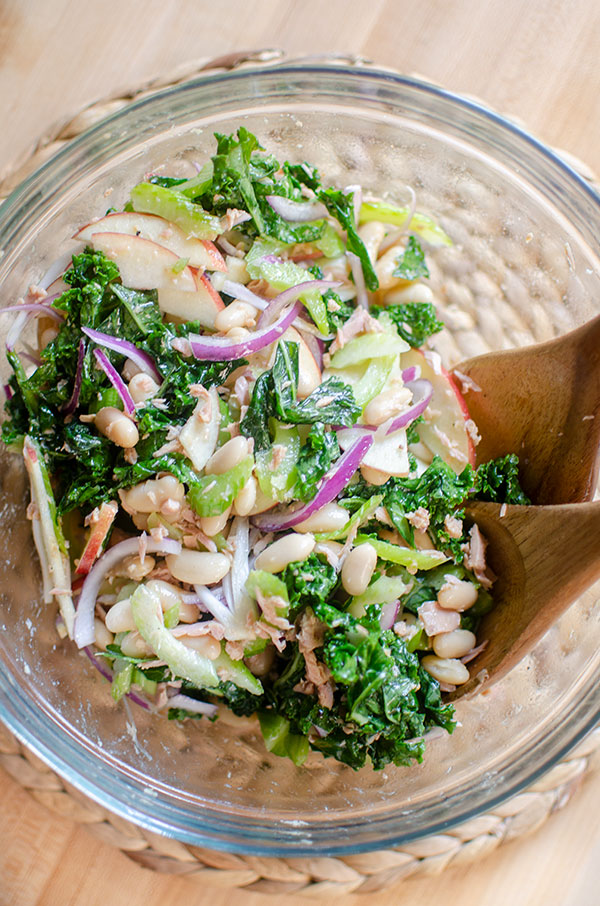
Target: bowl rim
219, 836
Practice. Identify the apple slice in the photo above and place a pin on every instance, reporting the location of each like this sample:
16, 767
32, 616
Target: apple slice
200, 252
387, 454
100, 529
447, 434
144, 264
202, 305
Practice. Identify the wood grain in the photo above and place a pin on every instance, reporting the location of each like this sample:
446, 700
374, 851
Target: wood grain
535, 61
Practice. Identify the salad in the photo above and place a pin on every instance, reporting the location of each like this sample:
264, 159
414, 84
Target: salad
248, 466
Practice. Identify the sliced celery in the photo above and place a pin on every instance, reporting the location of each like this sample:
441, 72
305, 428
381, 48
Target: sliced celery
420, 224
263, 261
191, 218
369, 346
382, 591
404, 556
276, 483
213, 494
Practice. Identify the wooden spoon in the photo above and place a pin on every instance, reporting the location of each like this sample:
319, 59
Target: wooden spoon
543, 403
545, 557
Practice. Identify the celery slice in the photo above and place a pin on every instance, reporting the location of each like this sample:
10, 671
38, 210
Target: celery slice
263, 261
369, 346
276, 483
404, 556
148, 198
420, 224
382, 591
214, 493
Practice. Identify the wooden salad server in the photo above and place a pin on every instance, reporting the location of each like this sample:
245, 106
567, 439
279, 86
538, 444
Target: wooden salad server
543, 403
544, 558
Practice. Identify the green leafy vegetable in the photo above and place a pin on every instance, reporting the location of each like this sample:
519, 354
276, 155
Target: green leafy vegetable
275, 395
415, 321
411, 264
341, 207
498, 480
317, 454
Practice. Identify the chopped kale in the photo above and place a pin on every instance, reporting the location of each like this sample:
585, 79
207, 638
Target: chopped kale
275, 396
341, 207
415, 321
309, 581
411, 264
319, 451
498, 480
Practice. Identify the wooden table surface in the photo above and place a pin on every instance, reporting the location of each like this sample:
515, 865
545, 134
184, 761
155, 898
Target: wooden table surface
538, 60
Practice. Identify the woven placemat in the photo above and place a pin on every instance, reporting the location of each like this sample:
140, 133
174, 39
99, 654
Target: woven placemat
315, 876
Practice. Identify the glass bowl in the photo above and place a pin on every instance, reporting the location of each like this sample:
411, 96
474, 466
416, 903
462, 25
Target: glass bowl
523, 268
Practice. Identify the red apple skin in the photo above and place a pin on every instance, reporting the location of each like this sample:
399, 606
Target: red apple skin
201, 253
203, 283
453, 408
144, 264
216, 258
100, 530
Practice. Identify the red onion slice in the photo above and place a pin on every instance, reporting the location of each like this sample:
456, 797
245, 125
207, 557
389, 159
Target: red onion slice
124, 347
411, 374
74, 401
297, 211
116, 380
84, 633
290, 295
239, 291
221, 349
192, 705
108, 674
388, 614
38, 308
331, 485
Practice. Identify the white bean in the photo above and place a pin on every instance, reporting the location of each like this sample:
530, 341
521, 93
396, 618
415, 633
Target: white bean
129, 369
236, 314
133, 645
204, 644
228, 456
329, 518
285, 550
374, 476
385, 267
142, 387
372, 234
170, 595
245, 500
456, 594
358, 568
103, 636
115, 425
446, 670
198, 567
386, 404
136, 569
454, 644
212, 525
416, 292
119, 618
237, 333
149, 496
48, 334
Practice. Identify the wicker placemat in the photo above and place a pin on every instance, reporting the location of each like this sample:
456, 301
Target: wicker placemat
315, 876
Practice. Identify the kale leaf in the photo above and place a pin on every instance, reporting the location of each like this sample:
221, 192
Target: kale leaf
411, 264
319, 451
309, 581
275, 395
341, 207
498, 480
415, 321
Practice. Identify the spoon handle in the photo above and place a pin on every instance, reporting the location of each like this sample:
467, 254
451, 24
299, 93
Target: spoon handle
544, 559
